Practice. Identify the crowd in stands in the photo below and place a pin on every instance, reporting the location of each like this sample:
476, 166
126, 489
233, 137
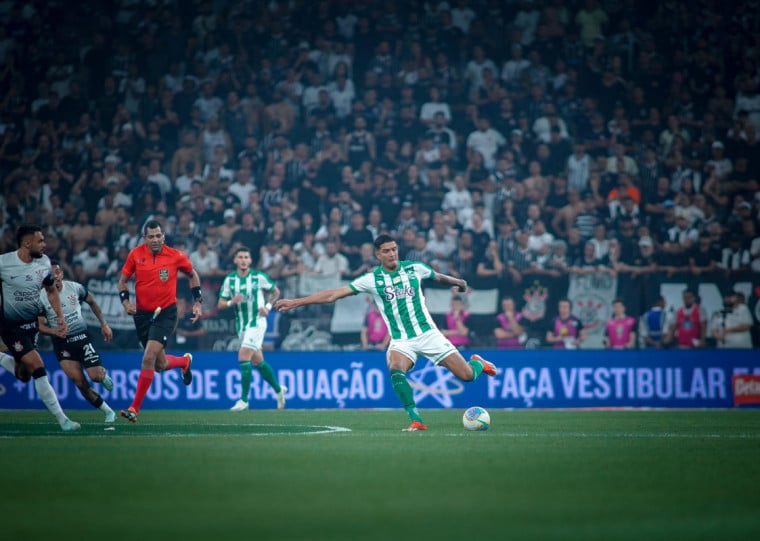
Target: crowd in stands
494, 139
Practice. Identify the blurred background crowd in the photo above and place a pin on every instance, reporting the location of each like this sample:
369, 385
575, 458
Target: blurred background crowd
499, 141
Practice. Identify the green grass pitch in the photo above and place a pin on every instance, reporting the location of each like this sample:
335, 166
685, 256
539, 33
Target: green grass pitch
286, 475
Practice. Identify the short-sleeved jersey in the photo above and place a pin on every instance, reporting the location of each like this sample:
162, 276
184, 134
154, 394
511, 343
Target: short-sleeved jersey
20, 285
72, 294
251, 287
618, 331
155, 275
398, 295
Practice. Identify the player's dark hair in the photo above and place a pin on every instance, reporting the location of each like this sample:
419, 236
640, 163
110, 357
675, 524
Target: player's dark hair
152, 224
25, 230
54, 262
381, 239
241, 249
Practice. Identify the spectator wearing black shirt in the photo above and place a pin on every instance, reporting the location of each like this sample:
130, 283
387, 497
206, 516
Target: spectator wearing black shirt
353, 239
248, 236
704, 257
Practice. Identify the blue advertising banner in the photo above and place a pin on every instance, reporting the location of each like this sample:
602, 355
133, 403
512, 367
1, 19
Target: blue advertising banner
526, 379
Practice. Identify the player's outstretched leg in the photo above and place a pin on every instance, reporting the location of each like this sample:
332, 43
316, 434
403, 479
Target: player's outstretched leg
267, 374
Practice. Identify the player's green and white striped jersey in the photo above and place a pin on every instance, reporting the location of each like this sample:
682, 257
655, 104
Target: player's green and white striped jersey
251, 287
72, 294
398, 295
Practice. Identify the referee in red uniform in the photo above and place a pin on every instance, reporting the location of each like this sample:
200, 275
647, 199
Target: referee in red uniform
155, 267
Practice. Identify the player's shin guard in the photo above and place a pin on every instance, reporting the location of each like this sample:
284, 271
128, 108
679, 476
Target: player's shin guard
47, 395
268, 374
246, 376
405, 394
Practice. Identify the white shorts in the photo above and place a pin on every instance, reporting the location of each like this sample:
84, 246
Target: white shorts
431, 344
253, 337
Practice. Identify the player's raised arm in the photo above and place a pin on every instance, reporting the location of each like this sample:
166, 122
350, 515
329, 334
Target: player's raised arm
460, 284
323, 297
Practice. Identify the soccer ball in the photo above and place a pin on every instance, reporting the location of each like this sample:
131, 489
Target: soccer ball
476, 418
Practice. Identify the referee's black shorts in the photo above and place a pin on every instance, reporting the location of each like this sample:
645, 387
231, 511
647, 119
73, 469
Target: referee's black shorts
159, 329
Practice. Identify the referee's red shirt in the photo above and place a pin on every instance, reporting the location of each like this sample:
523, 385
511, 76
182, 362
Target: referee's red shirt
155, 275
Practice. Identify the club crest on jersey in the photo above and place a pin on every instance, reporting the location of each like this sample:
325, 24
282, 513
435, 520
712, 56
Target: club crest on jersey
73, 298
17, 347
163, 275
65, 353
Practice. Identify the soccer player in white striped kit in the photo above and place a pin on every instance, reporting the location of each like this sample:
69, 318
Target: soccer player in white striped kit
396, 288
243, 290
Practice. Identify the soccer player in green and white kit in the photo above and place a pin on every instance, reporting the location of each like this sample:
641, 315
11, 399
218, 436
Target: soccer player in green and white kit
243, 290
396, 288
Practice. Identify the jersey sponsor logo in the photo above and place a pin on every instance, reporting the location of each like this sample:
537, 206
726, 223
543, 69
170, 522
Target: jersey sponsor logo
163, 275
392, 292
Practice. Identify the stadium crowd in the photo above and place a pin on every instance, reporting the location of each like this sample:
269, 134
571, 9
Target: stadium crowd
496, 140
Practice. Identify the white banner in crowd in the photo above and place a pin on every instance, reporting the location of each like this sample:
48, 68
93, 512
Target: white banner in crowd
591, 297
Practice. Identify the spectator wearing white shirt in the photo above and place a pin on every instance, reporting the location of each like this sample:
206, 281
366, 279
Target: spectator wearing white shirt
242, 187
185, 181
342, 95
540, 240
542, 126
205, 260
332, 262
733, 329
619, 162
462, 16
94, 261
718, 164
473, 71
458, 198
578, 169
157, 177
433, 106
512, 69
487, 141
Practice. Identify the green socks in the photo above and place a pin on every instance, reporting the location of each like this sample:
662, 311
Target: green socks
268, 374
477, 369
245, 382
406, 395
